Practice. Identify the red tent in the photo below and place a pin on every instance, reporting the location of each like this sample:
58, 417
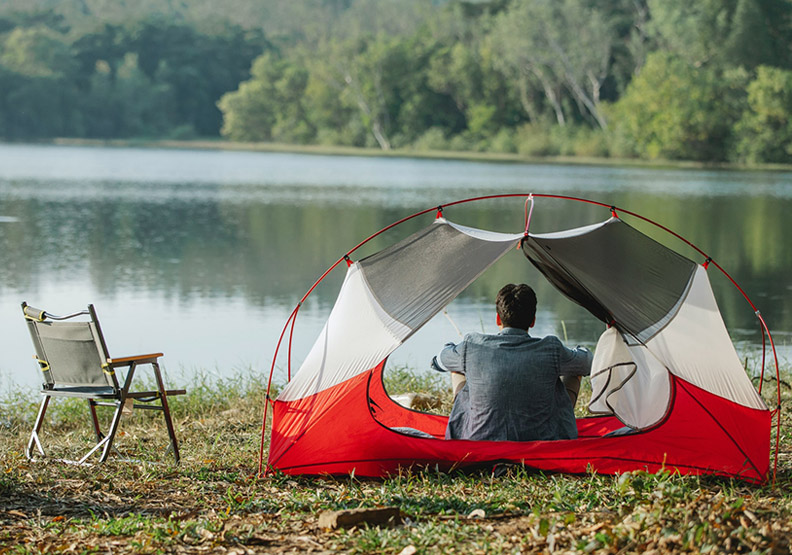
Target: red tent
669, 390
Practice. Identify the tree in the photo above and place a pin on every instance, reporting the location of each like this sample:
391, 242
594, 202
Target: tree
35, 66
724, 32
197, 67
372, 57
462, 67
365, 73
535, 42
675, 110
764, 133
144, 106
269, 105
36, 52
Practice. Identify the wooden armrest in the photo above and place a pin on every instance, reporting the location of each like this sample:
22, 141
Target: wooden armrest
138, 359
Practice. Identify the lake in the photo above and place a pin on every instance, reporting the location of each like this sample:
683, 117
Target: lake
202, 254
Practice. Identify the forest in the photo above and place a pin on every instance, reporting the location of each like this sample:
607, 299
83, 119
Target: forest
707, 81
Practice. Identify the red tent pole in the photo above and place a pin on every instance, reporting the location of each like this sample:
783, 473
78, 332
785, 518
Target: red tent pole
267, 401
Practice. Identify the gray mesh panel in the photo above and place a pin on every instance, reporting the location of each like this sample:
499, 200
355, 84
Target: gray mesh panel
617, 273
71, 351
414, 279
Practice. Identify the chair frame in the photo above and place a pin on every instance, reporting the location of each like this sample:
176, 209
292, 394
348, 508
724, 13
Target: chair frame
114, 394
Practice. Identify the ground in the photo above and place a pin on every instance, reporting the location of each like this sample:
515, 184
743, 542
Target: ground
215, 502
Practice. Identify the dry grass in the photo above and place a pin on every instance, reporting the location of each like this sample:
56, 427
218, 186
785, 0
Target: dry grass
214, 502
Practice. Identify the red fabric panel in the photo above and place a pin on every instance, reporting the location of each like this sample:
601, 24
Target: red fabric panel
703, 434
390, 414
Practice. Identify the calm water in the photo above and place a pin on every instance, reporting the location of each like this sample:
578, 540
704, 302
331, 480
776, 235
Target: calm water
203, 254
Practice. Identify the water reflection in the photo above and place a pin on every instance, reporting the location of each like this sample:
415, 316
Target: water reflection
202, 254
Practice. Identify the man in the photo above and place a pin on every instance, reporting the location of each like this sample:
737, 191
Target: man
513, 388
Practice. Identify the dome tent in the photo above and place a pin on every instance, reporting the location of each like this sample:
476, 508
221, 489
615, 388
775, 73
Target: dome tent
669, 390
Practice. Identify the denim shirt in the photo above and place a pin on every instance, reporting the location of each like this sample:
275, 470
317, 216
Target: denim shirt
513, 390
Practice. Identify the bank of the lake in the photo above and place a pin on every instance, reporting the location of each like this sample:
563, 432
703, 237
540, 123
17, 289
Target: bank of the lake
468, 155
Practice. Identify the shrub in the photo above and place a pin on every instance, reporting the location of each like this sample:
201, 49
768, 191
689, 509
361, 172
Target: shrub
503, 141
535, 140
432, 139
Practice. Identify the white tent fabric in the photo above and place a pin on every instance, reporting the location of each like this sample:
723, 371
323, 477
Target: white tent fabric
632, 383
698, 324
356, 337
628, 382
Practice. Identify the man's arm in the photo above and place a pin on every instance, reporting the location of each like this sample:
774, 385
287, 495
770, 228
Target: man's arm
576, 362
450, 359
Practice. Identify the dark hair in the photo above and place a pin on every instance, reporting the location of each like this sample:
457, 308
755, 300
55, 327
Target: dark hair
516, 306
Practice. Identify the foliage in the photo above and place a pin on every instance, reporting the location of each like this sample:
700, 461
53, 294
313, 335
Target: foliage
535, 44
268, 106
675, 110
739, 33
145, 78
646, 78
765, 129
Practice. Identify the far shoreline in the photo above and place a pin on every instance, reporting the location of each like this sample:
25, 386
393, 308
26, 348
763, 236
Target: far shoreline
465, 156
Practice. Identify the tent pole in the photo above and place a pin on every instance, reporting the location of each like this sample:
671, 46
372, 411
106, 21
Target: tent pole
269, 387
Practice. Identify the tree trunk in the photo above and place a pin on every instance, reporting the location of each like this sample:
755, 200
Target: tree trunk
552, 95
526, 103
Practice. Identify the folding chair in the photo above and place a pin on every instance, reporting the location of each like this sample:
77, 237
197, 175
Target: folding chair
74, 362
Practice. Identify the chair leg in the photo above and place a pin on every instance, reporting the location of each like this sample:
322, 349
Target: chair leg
108, 440
34, 437
97, 430
166, 412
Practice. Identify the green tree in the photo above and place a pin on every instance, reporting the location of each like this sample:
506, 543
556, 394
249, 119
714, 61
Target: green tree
36, 52
674, 110
269, 105
144, 106
367, 73
198, 68
108, 44
337, 121
35, 96
462, 67
724, 32
374, 59
534, 41
764, 133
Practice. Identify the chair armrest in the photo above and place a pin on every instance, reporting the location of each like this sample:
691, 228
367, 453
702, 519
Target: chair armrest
137, 359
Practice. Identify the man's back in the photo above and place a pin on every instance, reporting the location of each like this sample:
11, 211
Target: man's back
513, 391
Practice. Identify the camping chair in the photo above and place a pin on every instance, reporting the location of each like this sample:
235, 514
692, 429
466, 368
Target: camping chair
74, 363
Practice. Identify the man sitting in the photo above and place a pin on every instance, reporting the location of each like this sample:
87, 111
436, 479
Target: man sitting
513, 388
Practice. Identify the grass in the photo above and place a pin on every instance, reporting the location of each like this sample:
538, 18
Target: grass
214, 502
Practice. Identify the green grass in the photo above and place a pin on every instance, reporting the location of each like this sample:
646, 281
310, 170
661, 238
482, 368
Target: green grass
214, 502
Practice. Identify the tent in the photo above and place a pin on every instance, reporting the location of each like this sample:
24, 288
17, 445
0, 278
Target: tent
669, 390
